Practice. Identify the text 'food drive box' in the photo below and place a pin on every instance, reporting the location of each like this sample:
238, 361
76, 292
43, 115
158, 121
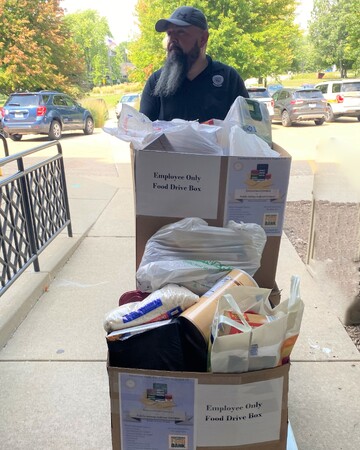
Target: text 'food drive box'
159, 410
171, 185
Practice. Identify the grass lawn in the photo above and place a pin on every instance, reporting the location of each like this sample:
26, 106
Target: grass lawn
296, 80
112, 94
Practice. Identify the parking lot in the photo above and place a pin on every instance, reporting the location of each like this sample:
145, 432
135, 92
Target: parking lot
300, 140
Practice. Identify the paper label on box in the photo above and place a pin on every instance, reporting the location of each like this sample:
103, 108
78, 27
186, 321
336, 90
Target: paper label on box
230, 415
256, 192
170, 184
156, 413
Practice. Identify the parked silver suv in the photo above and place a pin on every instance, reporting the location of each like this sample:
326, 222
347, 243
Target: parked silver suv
343, 98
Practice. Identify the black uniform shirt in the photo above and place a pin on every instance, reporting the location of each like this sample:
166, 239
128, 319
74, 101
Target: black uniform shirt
208, 96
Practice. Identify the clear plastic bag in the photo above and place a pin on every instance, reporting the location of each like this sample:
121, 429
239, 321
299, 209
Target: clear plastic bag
192, 253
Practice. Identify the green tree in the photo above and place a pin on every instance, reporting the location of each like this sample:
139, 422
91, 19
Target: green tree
335, 32
256, 37
36, 50
352, 47
90, 32
304, 56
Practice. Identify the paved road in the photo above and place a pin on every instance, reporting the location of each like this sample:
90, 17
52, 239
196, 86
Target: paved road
300, 140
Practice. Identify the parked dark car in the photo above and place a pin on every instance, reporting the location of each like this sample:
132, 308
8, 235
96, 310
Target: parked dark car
44, 112
299, 104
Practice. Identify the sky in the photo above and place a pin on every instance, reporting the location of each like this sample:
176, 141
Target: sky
119, 14
121, 20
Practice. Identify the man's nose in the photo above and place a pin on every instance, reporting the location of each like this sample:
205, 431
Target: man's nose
172, 38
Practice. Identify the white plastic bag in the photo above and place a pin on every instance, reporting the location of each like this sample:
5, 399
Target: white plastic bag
250, 115
190, 250
197, 276
134, 127
184, 136
242, 143
194, 138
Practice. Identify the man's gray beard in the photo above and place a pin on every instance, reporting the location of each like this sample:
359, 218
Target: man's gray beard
172, 74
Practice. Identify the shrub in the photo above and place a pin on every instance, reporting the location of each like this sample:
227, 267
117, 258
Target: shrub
98, 109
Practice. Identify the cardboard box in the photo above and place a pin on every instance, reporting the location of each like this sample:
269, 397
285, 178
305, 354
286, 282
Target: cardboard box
170, 186
159, 410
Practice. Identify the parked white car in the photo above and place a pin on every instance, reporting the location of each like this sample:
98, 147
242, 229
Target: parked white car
343, 98
131, 99
261, 94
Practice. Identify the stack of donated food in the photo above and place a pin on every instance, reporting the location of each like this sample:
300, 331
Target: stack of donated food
198, 356
197, 307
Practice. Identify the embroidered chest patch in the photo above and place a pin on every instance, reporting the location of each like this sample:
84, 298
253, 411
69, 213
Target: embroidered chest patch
218, 80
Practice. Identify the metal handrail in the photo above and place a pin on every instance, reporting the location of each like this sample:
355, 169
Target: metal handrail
4, 141
34, 210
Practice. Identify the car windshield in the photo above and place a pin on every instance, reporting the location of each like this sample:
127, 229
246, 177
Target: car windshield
129, 98
308, 94
274, 87
259, 93
351, 87
23, 100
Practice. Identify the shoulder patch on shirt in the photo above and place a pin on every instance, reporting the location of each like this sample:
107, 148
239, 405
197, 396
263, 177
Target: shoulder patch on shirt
218, 80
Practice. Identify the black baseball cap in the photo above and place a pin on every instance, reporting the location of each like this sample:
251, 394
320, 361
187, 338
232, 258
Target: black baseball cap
183, 17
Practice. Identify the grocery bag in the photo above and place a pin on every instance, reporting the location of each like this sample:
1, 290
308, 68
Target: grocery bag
239, 345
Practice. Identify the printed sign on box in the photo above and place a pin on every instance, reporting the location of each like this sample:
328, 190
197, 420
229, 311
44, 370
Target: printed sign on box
256, 191
230, 414
171, 185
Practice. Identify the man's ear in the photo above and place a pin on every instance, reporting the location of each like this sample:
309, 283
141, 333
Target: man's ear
204, 38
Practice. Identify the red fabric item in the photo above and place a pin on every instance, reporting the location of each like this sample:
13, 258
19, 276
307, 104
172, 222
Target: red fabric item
132, 296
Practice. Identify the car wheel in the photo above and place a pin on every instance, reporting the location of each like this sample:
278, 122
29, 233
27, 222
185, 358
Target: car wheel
329, 115
285, 119
358, 118
319, 121
89, 126
16, 137
55, 130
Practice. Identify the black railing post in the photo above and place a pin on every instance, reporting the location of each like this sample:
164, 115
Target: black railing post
66, 198
6, 148
28, 211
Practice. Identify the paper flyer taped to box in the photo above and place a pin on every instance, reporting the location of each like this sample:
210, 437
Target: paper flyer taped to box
256, 192
198, 411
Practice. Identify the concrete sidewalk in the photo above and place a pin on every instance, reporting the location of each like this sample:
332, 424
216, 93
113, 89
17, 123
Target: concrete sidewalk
54, 386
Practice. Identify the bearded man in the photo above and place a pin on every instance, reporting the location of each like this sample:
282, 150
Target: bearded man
190, 85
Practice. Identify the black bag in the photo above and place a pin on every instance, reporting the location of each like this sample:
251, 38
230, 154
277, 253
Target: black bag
175, 346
